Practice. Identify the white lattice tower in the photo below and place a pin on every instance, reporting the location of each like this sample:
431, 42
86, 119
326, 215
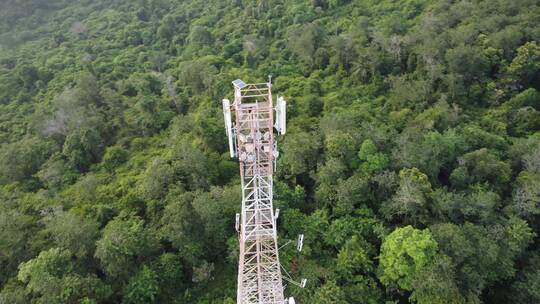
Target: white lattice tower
259, 272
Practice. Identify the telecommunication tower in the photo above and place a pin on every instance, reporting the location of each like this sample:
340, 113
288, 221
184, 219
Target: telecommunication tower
251, 139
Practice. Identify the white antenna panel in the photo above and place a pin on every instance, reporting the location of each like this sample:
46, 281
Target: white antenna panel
276, 215
283, 119
237, 225
292, 301
228, 124
300, 243
281, 116
303, 283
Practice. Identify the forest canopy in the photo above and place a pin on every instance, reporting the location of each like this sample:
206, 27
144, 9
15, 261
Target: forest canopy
411, 161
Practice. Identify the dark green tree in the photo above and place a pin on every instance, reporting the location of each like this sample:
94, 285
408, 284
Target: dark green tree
124, 242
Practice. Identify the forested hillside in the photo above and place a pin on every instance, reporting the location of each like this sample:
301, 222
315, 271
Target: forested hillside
411, 161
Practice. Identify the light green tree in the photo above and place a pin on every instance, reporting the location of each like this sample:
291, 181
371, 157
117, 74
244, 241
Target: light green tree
526, 64
373, 161
404, 254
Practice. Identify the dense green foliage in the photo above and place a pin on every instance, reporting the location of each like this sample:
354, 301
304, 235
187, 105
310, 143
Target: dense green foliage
411, 162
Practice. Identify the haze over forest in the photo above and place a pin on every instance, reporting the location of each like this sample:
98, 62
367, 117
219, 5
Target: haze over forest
411, 161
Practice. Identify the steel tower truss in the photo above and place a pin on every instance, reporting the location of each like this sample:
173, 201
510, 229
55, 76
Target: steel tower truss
259, 270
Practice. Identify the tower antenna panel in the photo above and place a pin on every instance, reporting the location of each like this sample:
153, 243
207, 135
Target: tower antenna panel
228, 125
300, 242
283, 118
281, 115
